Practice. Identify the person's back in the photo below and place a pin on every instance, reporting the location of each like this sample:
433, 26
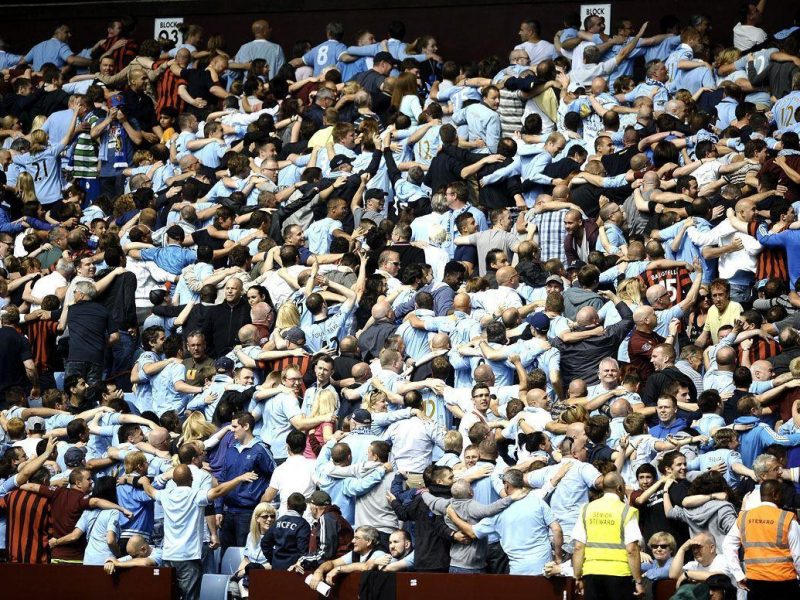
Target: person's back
183, 522
523, 529
96, 526
287, 539
28, 527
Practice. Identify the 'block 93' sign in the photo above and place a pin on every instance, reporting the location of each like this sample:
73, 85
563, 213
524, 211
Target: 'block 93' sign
169, 29
600, 10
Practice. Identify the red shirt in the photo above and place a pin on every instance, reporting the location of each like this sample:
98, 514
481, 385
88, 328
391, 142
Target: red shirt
67, 506
640, 347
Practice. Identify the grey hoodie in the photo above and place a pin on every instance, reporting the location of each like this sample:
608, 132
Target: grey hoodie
470, 556
715, 516
575, 298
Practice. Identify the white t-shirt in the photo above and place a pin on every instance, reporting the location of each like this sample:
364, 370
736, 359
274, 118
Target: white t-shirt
747, 36
294, 475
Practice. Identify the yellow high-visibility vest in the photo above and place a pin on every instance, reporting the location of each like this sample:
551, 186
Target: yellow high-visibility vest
604, 521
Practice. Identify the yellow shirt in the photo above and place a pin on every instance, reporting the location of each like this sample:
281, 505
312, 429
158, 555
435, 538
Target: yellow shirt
715, 320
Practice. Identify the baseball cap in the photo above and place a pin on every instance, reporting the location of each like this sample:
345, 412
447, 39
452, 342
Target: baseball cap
294, 335
555, 279
574, 86
575, 265
362, 416
35, 424
540, 322
320, 498
375, 193
384, 57
224, 364
339, 160
74, 457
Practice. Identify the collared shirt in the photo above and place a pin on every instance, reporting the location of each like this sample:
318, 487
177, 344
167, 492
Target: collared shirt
482, 123
572, 491
49, 51
413, 441
278, 413
311, 395
165, 396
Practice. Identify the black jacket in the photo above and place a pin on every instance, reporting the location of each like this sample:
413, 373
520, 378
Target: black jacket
432, 536
222, 326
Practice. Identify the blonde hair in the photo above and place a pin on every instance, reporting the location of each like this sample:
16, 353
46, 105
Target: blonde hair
727, 56
664, 538
324, 404
39, 138
25, 187
630, 290
196, 428
288, 316
453, 441
135, 460
574, 414
373, 398
261, 508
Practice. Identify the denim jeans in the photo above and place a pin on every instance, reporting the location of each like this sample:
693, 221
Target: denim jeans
465, 571
235, 529
122, 358
90, 371
188, 573
743, 294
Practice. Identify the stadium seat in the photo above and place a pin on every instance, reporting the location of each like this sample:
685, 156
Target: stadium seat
231, 560
214, 587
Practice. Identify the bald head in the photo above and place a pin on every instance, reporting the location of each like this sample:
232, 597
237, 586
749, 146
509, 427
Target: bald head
360, 371
620, 408
650, 180
159, 438
348, 344
484, 374
462, 303
612, 482
587, 317
505, 275
248, 335
642, 314
261, 29
182, 476
440, 341
726, 358
380, 309
461, 490
560, 192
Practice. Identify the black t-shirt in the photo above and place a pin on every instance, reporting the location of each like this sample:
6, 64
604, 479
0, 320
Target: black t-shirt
370, 80
679, 530
89, 325
199, 84
201, 237
560, 169
652, 518
14, 351
587, 197
619, 162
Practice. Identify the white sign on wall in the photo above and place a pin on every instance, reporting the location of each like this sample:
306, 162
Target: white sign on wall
600, 10
168, 29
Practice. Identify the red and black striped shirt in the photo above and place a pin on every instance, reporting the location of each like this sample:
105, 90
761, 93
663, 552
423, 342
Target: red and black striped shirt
121, 56
42, 335
29, 527
676, 280
167, 90
771, 263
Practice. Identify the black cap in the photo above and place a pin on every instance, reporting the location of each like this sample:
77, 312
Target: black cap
384, 57
339, 160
